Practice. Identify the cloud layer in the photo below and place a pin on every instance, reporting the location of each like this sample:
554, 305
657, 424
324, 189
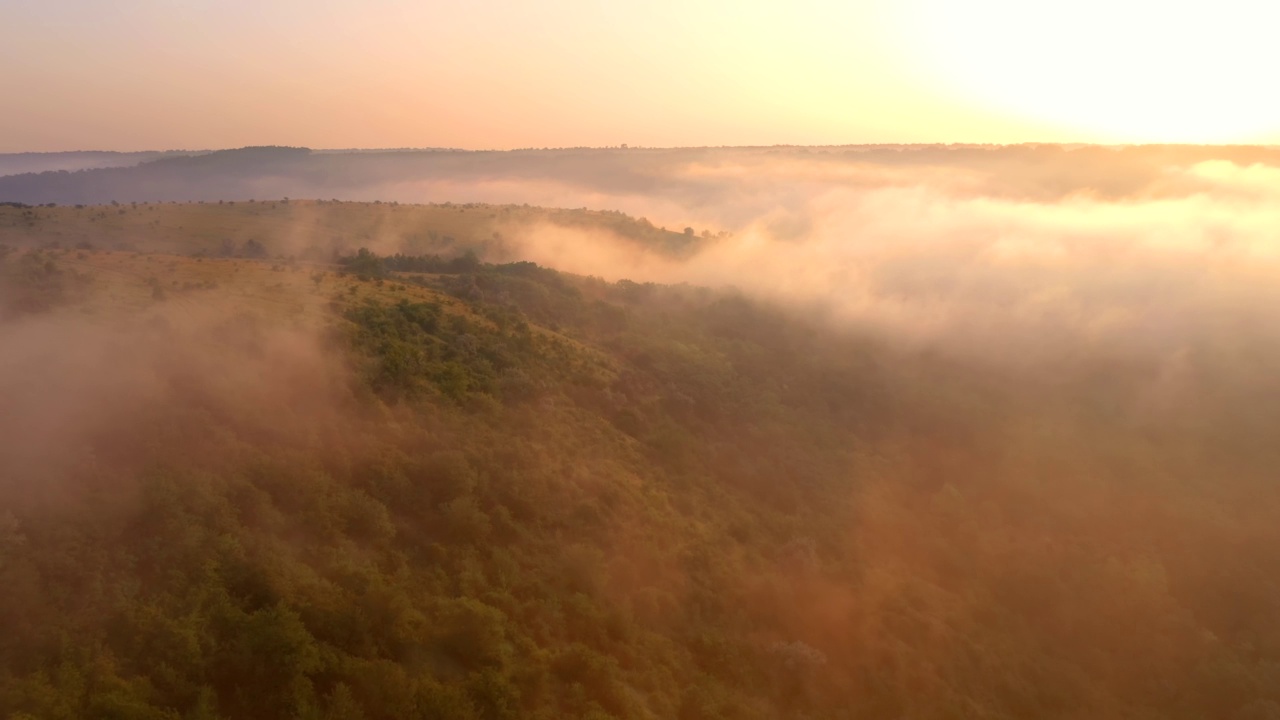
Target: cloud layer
942, 255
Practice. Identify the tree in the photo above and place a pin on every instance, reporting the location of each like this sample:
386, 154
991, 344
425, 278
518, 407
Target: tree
365, 265
254, 249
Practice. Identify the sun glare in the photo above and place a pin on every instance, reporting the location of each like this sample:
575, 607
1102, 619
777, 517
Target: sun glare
1128, 71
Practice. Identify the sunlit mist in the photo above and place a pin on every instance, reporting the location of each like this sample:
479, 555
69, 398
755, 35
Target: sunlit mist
502, 74
1131, 71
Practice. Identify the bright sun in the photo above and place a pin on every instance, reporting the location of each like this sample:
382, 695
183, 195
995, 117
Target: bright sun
1114, 70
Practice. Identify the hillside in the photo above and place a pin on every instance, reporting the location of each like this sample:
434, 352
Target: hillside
250, 471
613, 178
313, 229
41, 162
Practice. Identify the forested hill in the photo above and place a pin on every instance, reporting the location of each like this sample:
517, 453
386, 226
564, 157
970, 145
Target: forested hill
246, 485
317, 230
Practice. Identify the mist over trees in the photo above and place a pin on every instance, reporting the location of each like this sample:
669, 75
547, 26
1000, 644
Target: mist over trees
317, 459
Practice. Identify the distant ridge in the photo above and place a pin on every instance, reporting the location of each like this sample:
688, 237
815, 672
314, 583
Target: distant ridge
36, 162
1027, 170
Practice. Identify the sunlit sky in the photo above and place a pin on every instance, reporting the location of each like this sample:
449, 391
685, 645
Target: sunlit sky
161, 74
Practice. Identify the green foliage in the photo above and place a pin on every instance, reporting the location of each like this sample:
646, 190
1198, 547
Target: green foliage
365, 265
417, 348
552, 497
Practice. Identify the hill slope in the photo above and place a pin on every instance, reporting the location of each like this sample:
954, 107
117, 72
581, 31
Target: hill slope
42, 162
314, 229
438, 487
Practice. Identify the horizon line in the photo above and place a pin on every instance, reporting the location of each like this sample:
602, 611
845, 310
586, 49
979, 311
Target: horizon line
934, 144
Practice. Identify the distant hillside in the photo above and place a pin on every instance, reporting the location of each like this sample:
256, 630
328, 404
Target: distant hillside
19, 163
317, 230
686, 177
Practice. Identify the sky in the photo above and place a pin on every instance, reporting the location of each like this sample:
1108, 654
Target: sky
500, 74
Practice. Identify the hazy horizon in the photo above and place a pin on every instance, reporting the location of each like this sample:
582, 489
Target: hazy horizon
745, 146
501, 74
